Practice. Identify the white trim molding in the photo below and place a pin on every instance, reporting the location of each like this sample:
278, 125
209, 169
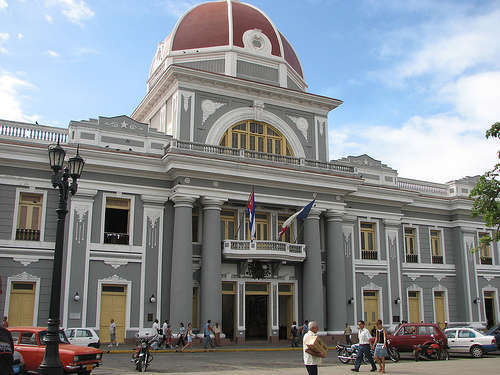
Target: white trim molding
490, 288
379, 289
415, 288
43, 214
417, 239
26, 277
131, 217
441, 288
441, 236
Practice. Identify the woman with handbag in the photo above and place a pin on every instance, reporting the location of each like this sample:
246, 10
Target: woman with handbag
380, 346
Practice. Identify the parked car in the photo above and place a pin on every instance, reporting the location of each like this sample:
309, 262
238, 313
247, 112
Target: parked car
495, 331
468, 340
408, 335
83, 337
29, 342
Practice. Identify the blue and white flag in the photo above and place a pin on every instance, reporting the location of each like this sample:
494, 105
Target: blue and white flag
302, 214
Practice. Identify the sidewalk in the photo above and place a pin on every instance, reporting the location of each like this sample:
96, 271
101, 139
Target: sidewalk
451, 367
264, 347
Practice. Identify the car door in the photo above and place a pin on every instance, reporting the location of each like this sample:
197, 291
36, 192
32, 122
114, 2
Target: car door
451, 335
424, 334
30, 350
84, 337
465, 339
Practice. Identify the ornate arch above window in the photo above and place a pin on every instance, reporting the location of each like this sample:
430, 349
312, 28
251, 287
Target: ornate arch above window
256, 136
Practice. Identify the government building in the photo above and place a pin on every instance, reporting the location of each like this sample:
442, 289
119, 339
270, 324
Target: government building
159, 226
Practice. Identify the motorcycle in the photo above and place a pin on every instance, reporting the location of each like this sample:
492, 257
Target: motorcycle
143, 357
431, 350
348, 353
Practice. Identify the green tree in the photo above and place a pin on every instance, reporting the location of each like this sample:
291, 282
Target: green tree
486, 195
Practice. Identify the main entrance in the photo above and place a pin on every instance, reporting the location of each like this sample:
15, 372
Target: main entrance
113, 305
22, 303
256, 310
371, 307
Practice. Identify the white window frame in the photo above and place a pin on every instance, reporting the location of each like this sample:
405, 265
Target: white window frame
417, 240
441, 288
490, 288
16, 211
492, 252
369, 287
23, 277
415, 288
377, 239
114, 280
443, 249
131, 216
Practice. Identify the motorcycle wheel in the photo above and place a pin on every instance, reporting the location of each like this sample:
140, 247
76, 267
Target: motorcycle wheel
343, 353
394, 355
145, 363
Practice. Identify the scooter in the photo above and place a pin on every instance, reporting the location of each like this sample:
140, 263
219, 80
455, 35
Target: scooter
349, 353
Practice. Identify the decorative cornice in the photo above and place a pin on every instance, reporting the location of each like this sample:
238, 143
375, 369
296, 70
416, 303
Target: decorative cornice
333, 215
183, 200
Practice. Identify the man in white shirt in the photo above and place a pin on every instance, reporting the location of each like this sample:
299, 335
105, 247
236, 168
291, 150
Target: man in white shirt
364, 348
311, 358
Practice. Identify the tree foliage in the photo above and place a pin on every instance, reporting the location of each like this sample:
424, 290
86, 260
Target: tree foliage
486, 195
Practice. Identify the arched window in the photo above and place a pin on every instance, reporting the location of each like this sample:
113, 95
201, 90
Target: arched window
256, 136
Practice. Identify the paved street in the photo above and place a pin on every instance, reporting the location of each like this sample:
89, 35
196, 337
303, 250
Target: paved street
282, 362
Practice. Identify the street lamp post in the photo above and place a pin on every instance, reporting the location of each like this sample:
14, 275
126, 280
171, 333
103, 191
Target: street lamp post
51, 364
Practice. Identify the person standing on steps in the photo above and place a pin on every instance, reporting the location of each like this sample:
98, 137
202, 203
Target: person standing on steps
347, 334
112, 334
364, 348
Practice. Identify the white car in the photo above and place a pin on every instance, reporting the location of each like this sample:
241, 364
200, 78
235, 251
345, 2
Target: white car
83, 337
468, 340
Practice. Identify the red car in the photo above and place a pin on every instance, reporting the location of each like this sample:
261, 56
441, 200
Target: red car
29, 342
411, 334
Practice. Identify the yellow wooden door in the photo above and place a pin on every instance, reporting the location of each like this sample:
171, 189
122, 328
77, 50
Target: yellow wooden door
371, 307
113, 305
21, 304
414, 306
439, 307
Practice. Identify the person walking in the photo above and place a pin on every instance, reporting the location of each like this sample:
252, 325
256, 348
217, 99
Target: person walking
311, 358
112, 334
380, 346
294, 331
217, 334
189, 336
347, 334
364, 348
208, 329
182, 335
168, 337
5, 323
156, 332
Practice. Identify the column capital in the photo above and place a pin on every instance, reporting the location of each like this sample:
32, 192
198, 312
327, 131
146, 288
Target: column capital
211, 203
333, 215
84, 194
392, 223
314, 214
182, 200
350, 219
154, 199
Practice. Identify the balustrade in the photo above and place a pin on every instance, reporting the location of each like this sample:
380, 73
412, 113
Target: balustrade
487, 260
116, 238
33, 132
411, 258
437, 259
28, 234
369, 254
263, 250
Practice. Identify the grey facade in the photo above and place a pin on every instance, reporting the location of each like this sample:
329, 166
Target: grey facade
174, 257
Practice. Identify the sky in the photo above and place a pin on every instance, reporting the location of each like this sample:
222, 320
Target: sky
420, 79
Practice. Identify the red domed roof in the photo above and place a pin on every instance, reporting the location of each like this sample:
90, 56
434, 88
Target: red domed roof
209, 25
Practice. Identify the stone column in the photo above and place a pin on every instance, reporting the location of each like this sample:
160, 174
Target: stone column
312, 276
181, 292
394, 294
335, 273
210, 283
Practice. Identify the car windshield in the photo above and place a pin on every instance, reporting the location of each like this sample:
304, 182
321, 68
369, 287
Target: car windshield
62, 337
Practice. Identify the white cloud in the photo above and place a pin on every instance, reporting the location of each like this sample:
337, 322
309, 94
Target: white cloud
177, 8
3, 4
75, 11
3, 38
20, 36
52, 53
49, 19
11, 94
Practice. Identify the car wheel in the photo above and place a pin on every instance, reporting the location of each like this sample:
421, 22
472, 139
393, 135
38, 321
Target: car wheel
476, 351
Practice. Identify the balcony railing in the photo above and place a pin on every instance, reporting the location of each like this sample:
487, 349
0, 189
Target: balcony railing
437, 259
369, 254
256, 155
422, 186
28, 234
411, 258
39, 133
487, 260
263, 250
116, 238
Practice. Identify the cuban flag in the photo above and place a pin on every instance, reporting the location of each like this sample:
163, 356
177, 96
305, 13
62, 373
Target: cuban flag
251, 215
302, 214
